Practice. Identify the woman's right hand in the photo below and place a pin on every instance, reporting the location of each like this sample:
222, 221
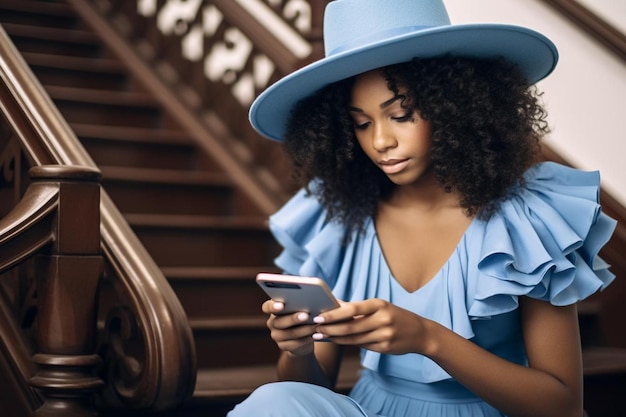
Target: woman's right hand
291, 332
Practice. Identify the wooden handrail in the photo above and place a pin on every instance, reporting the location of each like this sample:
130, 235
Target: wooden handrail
28, 227
168, 368
592, 24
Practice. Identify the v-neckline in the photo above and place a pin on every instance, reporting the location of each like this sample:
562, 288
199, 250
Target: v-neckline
461, 241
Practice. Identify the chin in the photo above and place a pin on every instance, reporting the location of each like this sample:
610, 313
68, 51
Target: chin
402, 180
409, 178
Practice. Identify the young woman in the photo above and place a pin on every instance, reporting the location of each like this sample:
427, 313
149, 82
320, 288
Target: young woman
458, 257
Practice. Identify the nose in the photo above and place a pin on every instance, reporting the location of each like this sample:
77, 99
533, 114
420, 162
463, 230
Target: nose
383, 138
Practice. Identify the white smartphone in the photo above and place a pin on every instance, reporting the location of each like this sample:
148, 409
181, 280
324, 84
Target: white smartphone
308, 294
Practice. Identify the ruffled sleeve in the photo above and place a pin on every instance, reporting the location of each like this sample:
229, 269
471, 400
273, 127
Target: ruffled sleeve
311, 244
543, 243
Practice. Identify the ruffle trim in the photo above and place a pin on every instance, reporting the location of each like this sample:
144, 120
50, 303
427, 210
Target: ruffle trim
544, 243
312, 245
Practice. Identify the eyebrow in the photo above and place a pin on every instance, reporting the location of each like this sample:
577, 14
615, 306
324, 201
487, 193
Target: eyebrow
382, 106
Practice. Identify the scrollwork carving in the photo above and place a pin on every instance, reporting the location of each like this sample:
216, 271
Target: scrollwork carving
13, 176
123, 351
9, 154
296, 12
228, 56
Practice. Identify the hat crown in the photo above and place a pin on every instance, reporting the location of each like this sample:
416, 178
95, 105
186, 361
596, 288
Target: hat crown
360, 35
350, 24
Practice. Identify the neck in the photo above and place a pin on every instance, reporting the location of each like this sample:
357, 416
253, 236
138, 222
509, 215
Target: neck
425, 194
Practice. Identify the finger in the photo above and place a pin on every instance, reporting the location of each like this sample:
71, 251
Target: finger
345, 312
362, 340
295, 333
361, 329
272, 307
286, 321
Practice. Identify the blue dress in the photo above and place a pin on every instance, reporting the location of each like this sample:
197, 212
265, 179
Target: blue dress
542, 243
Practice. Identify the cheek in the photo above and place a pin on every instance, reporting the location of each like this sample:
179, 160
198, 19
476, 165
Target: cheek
364, 144
422, 139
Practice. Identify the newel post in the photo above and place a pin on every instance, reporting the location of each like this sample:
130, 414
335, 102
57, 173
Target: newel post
67, 286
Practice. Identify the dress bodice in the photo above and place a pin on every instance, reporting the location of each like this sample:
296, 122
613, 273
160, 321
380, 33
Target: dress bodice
542, 243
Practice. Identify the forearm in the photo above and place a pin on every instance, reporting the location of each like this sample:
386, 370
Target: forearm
303, 368
513, 389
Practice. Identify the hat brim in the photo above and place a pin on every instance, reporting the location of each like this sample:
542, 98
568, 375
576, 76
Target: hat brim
535, 54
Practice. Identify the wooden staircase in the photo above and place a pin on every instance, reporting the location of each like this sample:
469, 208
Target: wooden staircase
206, 234
207, 237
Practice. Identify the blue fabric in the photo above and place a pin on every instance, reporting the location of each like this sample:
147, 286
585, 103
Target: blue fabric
542, 243
294, 399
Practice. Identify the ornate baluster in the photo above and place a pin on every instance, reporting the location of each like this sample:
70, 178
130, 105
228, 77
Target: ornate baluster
68, 277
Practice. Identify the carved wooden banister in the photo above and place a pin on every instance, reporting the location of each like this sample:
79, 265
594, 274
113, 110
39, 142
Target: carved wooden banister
57, 222
210, 65
150, 315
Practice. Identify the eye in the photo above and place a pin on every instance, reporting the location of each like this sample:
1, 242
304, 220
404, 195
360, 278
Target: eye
407, 117
361, 126
360, 123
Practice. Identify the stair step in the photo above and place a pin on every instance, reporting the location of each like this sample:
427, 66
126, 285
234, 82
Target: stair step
242, 224
239, 382
604, 369
219, 274
604, 361
233, 341
58, 41
104, 97
105, 107
83, 72
218, 292
141, 190
52, 34
166, 176
31, 12
148, 136
205, 240
156, 148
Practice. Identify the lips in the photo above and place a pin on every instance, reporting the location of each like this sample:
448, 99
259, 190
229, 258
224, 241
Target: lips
393, 166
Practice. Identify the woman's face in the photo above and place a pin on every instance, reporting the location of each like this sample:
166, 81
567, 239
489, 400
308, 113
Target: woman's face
396, 139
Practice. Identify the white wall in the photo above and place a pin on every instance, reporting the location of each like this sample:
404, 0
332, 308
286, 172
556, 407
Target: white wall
585, 96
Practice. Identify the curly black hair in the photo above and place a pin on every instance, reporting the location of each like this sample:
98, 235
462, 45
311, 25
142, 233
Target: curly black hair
487, 122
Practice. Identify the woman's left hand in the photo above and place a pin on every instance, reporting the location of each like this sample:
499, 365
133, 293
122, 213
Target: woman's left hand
376, 325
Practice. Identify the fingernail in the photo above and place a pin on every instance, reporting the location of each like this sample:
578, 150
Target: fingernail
319, 336
318, 319
278, 306
302, 316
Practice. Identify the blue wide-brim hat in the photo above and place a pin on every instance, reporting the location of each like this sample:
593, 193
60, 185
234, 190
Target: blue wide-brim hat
361, 35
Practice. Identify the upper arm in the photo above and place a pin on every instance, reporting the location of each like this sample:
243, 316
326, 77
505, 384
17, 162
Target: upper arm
552, 341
